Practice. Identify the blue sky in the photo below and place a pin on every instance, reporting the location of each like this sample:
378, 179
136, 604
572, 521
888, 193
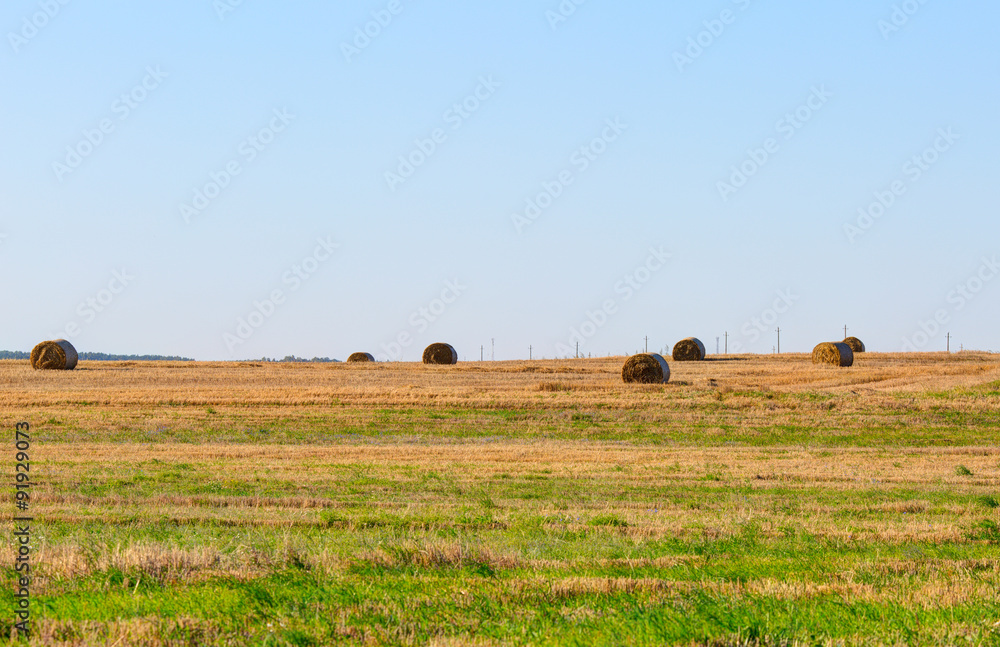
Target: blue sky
229, 181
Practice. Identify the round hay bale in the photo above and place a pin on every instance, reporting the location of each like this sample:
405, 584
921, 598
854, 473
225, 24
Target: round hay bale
689, 350
646, 368
57, 355
440, 354
361, 357
856, 344
836, 353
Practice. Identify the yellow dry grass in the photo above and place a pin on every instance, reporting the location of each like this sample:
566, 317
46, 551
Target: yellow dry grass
583, 381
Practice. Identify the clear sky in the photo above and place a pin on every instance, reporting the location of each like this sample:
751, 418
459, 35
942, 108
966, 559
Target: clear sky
230, 180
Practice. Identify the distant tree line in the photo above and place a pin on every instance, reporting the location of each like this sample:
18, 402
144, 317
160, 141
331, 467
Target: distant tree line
108, 357
293, 358
103, 357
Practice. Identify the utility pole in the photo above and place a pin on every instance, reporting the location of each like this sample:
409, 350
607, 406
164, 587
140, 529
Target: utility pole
493, 350
727, 342
779, 339
949, 342
577, 350
647, 344
529, 352
716, 345
845, 331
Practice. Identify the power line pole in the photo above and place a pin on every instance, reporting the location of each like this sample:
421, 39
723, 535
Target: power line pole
779, 339
529, 352
716, 345
845, 331
577, 350
493, 350
949, 342
647, 344
727, 342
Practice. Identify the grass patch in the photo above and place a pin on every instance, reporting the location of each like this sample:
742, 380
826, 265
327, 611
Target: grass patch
609, 520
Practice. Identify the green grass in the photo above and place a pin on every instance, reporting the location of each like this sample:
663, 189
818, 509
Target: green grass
296, 605
523, 566
905, 426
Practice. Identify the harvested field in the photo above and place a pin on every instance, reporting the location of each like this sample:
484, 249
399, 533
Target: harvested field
402, 504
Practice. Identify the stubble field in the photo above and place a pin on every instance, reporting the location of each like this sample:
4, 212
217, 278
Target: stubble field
753, 500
